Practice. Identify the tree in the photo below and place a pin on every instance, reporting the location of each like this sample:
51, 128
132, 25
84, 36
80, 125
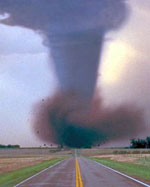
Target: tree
148, 142
138, 143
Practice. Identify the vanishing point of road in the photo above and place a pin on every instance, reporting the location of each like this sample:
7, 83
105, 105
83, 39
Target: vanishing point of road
78, 172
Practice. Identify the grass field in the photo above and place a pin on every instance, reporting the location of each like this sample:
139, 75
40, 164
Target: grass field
14, 177
19, 164
132, 165
8, 164
13, 159
113, 151
133, 162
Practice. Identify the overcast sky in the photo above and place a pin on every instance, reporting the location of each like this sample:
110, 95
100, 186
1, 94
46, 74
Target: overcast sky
26, 76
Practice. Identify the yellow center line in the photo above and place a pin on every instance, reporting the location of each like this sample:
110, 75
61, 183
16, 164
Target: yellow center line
79, 182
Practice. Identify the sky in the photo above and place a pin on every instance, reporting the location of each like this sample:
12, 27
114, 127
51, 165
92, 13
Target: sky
26, 76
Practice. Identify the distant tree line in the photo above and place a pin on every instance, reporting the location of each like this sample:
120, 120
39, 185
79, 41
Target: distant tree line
140, 143
9, 146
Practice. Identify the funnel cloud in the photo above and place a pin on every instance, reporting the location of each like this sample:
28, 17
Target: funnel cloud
74, 32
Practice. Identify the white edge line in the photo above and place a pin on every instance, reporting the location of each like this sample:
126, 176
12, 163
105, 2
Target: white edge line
38, 173
122, 174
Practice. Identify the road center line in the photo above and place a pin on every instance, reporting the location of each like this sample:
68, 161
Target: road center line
79, 182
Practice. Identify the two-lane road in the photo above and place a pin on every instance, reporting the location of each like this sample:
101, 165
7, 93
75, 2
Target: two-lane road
78, 172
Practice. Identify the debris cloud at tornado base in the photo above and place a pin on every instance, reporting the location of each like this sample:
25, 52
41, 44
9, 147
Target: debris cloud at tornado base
74, 32
63, 119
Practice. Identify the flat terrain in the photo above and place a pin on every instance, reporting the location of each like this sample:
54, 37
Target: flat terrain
139, 159
11, 164
133, 162
19, 164
113, 151
76, 170
13, 159
90, 174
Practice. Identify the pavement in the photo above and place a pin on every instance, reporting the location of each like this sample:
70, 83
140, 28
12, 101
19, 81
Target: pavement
78, 172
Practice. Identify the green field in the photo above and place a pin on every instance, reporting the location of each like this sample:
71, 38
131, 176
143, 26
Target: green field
139, 169
12, 178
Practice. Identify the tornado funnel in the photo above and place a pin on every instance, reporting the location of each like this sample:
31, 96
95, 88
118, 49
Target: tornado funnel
74, 32
75, 40
76, 59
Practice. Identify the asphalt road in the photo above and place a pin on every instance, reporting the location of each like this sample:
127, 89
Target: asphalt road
79, 172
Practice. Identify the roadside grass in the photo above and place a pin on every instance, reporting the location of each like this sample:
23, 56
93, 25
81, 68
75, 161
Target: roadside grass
137, 170
12, 178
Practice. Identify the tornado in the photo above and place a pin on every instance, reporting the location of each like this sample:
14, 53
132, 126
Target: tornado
74, 32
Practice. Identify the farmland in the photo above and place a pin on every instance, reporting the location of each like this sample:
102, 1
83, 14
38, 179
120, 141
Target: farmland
12, 159
18, 164
133, 162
